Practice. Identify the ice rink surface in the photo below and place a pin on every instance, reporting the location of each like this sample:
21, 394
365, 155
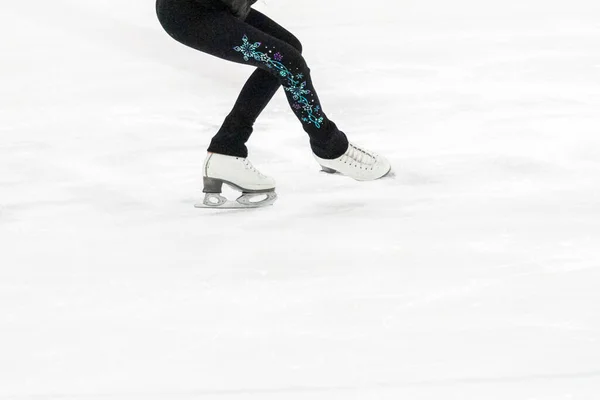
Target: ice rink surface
473, 273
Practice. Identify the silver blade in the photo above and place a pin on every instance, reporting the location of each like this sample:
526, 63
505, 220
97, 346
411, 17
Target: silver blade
247, 200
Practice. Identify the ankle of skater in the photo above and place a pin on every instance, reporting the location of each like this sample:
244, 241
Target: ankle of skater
228, 150
331, 147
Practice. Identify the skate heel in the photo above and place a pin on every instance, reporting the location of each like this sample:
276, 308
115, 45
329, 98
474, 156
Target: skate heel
328, 170
212, 185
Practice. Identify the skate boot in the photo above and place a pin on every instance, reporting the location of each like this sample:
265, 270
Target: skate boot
257, 189
357, 163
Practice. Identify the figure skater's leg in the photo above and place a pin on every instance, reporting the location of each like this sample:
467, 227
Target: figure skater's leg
219, 33
254, 96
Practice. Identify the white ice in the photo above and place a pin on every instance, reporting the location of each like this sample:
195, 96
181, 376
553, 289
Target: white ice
472, 274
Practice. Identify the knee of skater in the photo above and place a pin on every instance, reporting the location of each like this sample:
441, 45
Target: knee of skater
161, 13
168, 20
304, 67
295, 43
299, 66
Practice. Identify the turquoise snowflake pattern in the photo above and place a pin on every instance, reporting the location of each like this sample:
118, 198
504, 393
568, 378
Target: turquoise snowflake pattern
297, 91
248, 49
263, 57
295, 86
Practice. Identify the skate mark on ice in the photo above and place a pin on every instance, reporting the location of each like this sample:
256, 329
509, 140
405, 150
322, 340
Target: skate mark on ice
316, 389
452, 293
553, 266
330, 208
550, 266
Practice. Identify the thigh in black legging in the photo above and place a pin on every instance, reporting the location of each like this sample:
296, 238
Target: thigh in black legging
221, 34
262, 22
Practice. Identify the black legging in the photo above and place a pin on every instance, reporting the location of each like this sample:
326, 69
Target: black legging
208, 26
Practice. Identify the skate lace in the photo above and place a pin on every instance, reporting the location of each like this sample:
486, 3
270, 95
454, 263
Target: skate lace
360, 155
251, 167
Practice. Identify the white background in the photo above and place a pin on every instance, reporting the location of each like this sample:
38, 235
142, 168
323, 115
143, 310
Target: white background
473, 273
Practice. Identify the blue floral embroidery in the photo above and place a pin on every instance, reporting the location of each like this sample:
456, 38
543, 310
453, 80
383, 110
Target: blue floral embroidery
296, 89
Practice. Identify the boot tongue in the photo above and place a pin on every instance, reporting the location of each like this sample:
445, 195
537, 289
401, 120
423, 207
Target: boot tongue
360, 155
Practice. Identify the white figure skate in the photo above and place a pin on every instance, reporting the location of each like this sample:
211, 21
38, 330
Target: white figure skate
257, 189
357, 163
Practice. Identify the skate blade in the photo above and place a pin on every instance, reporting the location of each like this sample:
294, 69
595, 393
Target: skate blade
328, 170
390, 173
246, 200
